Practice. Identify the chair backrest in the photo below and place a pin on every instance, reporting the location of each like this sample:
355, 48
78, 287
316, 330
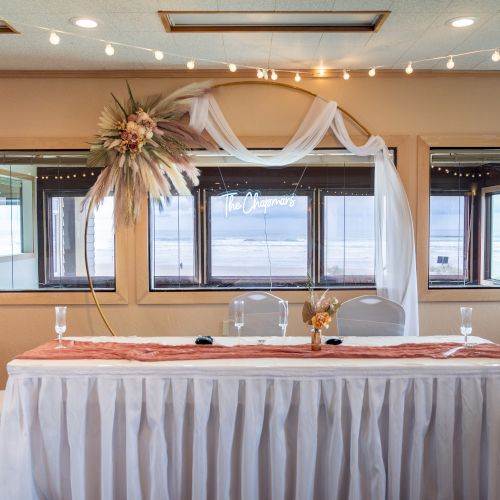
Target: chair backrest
370, 316
261, 315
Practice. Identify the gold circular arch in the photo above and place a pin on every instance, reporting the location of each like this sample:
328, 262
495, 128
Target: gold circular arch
297, 89
220, 85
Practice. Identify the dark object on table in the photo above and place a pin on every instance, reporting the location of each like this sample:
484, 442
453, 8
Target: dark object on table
334, 341
204, 340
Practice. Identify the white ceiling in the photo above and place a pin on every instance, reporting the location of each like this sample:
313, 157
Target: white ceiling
416, 29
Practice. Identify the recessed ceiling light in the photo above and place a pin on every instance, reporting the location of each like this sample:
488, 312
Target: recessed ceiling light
461, 22
84, 22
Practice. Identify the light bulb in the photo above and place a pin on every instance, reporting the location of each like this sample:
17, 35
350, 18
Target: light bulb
190, 64
297, 77
232, 67
109, 49
158, 55
274, 75
321, 71
409, 69
260, 73
495, 57
346, 75
266, 74
54, 38
451, 63
372, 72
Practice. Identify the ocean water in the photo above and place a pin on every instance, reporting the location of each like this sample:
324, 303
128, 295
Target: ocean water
253, 257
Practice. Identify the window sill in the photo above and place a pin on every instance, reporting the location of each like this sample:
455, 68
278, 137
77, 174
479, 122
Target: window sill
223, 297
480, 294
56, 298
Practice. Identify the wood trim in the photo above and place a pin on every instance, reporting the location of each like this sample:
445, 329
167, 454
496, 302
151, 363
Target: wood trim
424, 144
8, 29
382, 15
146, 297
306, 73
44, 143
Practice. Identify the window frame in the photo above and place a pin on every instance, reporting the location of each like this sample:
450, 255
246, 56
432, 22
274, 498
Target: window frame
27, 246
123, 237
486, 195
218, 285
424, 145
363, 284
404, 149
47, 280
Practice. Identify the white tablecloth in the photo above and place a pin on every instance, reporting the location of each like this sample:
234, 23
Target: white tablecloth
260, 428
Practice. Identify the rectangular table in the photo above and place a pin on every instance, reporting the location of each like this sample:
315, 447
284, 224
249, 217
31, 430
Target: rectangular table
253, 428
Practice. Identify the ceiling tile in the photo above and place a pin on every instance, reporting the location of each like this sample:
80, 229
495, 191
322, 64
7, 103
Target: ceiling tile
415, 29
187, 5
467, 7
248, 5
301, 5
294, 49
362, 4
420, 6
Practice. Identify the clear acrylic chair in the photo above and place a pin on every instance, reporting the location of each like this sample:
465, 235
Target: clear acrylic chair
370, 316
263, 315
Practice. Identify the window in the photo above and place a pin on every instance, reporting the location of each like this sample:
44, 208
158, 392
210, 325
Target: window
11, 222
464, 218
59, 182
248, 227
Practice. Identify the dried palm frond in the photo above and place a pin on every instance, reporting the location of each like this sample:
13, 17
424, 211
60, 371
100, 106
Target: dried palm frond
144, 149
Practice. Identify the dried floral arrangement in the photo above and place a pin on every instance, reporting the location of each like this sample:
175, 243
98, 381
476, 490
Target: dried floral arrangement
319, 311
143, 148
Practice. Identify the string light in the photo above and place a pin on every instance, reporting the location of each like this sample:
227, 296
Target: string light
54, 38
346, 75
158, 55
451, 63
297, 77
274, 75
232, 67
109, 49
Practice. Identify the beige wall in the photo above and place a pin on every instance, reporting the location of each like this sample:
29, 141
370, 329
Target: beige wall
42, 111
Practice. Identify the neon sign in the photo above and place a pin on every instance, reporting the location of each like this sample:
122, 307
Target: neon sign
252, 201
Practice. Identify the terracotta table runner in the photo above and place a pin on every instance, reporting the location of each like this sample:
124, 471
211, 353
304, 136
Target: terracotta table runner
161, 352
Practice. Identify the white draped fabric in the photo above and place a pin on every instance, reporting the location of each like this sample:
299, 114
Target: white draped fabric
395, 266
278, 429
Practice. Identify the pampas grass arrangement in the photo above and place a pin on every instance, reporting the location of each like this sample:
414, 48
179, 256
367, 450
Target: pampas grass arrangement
143, 149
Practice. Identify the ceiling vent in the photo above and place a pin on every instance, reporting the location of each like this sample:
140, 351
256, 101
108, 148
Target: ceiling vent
292, 21
6, 28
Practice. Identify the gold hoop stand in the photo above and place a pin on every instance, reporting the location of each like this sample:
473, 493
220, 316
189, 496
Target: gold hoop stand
220, 85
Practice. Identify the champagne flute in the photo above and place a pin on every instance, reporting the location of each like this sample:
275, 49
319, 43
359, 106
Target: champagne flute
283, 319
466, 323
239, 315
60, 325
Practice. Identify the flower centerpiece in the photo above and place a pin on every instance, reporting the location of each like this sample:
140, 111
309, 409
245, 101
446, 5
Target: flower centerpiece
143, 149
318, 313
